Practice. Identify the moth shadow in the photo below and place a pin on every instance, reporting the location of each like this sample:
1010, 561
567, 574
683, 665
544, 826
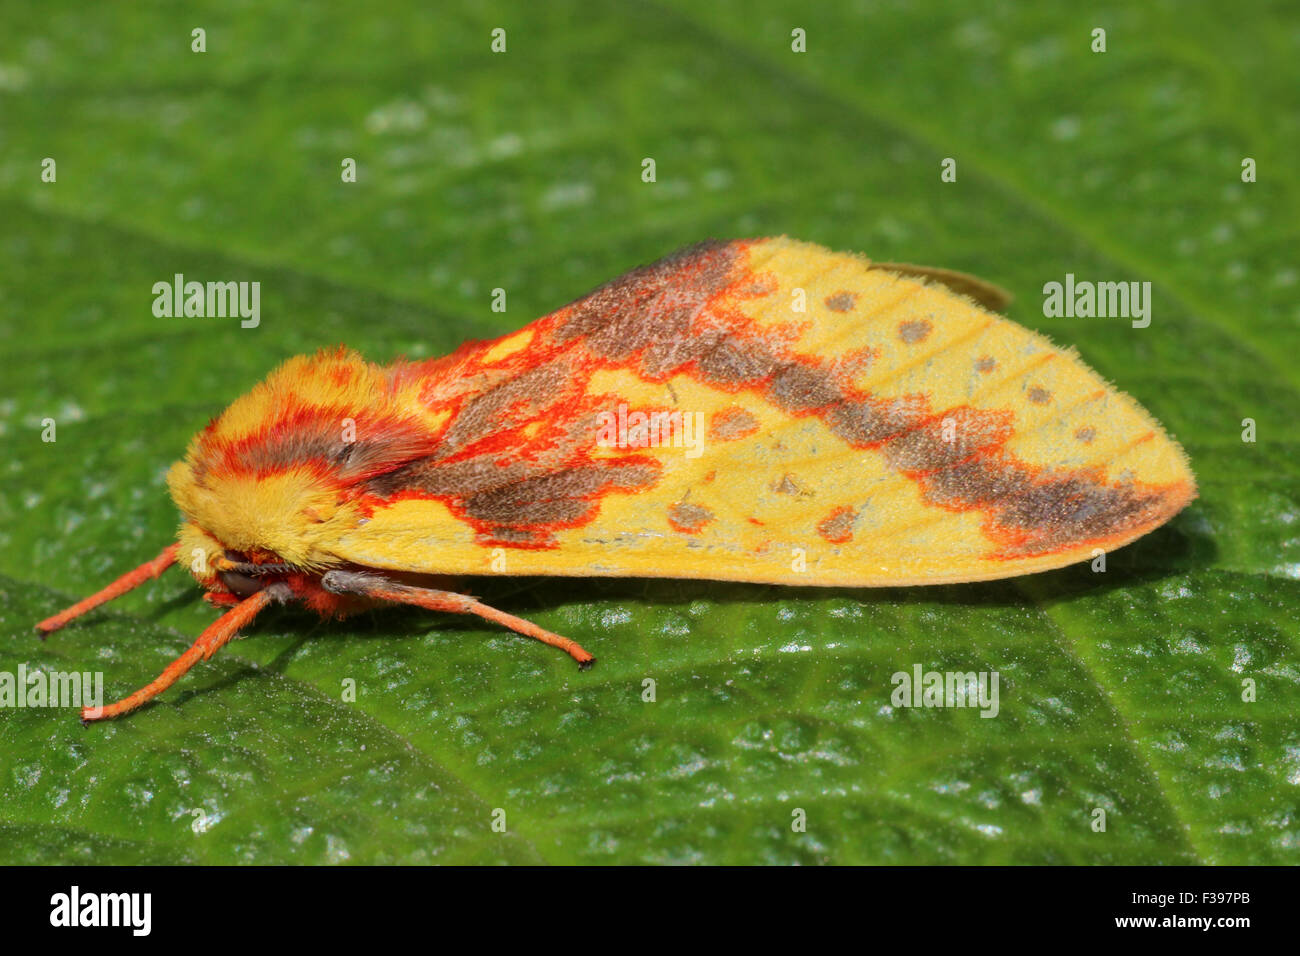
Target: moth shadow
187, 598
283, 620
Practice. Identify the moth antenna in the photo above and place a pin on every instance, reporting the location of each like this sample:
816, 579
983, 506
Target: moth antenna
381, 589
214, 637
128, 581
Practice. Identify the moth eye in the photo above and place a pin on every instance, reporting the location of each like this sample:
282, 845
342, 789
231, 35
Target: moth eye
244, 585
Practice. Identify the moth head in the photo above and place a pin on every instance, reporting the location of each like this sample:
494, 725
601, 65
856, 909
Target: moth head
228, 574
287, 517
279, 471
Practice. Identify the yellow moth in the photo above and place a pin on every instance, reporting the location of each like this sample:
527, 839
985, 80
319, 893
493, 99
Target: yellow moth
753, 410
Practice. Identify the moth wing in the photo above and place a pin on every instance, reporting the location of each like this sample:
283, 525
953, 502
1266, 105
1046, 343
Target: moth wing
838, 425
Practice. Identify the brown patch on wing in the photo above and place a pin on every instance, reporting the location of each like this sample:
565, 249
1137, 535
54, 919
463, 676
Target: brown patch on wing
866, 421
731, 424
924, 448
841, 301
837, 527
801, 388
734, 362
678, 314
788, 486
688, 518
512, 403
557, 499
653, 304
914, 330
1038, 511
518, 503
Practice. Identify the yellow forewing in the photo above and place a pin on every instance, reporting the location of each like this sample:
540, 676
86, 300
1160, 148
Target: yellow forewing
776, 494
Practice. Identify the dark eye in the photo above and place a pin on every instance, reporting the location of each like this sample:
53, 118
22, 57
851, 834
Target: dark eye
240, 583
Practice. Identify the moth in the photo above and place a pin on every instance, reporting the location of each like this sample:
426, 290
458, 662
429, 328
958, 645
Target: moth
850, 423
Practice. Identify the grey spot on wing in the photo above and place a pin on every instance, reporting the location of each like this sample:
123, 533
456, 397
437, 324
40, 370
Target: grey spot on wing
840, 301
914, 330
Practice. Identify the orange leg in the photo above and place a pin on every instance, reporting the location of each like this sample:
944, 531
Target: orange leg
380, 589
217, 635
132, 579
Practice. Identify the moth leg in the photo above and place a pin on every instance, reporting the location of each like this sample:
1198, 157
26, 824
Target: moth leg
214, 637
132, 579
382, 589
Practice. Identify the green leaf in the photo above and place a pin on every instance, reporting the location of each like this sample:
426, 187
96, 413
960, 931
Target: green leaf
1120, 691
